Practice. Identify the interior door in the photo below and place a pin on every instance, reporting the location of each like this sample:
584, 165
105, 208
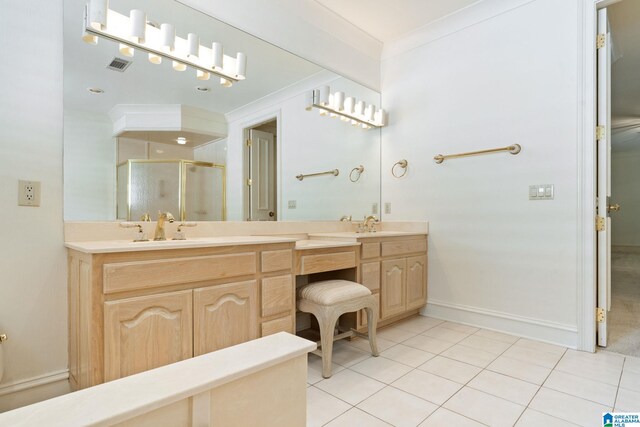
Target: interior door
262, 176
604, 174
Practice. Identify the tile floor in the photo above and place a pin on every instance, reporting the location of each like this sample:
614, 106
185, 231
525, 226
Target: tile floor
435, 373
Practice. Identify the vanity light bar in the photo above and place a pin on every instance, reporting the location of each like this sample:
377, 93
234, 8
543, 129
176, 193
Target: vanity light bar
347, 108
133, 32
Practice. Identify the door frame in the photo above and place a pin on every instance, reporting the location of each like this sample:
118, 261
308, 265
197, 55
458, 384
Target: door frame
246, 128
587, 168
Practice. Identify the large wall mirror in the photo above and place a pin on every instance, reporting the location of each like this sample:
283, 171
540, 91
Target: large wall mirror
141, 137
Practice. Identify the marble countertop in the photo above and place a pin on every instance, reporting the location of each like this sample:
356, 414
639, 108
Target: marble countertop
355, 236
110, 246
320, 244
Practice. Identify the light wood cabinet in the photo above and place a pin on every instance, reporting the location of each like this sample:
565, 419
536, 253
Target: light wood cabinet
416, 280
134, 311
224, 315
143, 333
393, 284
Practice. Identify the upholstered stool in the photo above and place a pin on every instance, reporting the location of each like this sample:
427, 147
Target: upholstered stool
328, 300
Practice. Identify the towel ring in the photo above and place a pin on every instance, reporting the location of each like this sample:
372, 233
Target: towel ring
403, 164
359, 170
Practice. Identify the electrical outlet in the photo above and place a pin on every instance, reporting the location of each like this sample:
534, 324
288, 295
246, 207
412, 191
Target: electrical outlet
28, 193
292, 204
387, 208
374, 209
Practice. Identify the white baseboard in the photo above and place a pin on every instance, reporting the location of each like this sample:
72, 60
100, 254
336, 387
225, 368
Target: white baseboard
541, 330
31, 390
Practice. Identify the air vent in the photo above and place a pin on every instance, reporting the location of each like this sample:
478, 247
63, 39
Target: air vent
118, 64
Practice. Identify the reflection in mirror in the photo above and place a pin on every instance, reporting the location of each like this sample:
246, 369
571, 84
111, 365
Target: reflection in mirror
151, 119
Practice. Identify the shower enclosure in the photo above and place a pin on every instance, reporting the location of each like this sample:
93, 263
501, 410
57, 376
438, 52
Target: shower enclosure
190, 190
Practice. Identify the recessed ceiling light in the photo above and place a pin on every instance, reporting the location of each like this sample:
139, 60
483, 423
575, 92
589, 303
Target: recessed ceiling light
181, 140
95, 90
202, 89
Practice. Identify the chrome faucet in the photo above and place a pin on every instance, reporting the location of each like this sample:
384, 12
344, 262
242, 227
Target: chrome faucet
162, 217
369, 223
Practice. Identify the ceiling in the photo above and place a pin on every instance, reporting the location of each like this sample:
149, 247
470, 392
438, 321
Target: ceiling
387, 21
625, 74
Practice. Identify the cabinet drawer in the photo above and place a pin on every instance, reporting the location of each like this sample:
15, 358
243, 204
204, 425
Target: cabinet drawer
326, 262
404, 247
277, 295
370, 272
277, 260
284, 324
126, 276
370, 250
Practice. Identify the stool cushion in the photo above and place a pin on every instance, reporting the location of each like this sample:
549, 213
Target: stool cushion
329, 292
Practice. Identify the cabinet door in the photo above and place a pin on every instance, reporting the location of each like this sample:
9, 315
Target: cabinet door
392, 287
224, 315
143, 333
416, 282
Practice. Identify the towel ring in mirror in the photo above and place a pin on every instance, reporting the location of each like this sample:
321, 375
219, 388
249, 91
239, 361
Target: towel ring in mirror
358, 172
403, 164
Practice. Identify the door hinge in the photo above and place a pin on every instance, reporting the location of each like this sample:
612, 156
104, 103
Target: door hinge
600, 316
600, 222
249, 143
249, 182
600, 133
600, 41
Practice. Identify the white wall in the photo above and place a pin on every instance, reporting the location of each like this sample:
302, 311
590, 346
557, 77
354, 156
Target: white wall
89, 153
625, 190
33, 295
307, 29
495, 258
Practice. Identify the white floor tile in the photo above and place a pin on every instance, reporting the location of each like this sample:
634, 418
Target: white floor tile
314, 369
346, 355
362, 344
521, 370
381, 369
418, 324
460, 327
498, 336
450, 369
444, 417
484, 408
350, 386
469, 355
582, 387
322, 407
632, 364
485, 344
541, 346
397, 407
569, 408
407, 355
445, 334
630, 380
603, 367
512, 389
357, 418
394, 334
431, 345
427, 386
532, 418
627, 400
535, 357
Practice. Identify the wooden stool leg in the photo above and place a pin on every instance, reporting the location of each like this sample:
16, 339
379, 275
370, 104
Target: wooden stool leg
372, 322
327, 324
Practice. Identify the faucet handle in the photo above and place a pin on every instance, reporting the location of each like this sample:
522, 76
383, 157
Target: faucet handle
145, 217
140, 236
179, 234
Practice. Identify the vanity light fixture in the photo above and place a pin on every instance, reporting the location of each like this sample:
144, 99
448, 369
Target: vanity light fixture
135, 32
181, 140
350, 110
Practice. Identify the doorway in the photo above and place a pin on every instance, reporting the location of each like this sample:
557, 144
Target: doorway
619, 164
260, 171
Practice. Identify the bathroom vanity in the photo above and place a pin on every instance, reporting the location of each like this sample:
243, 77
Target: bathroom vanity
135, 306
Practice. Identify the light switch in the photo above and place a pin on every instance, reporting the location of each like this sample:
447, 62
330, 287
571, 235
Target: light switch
533, 191
547, 191
541, 192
